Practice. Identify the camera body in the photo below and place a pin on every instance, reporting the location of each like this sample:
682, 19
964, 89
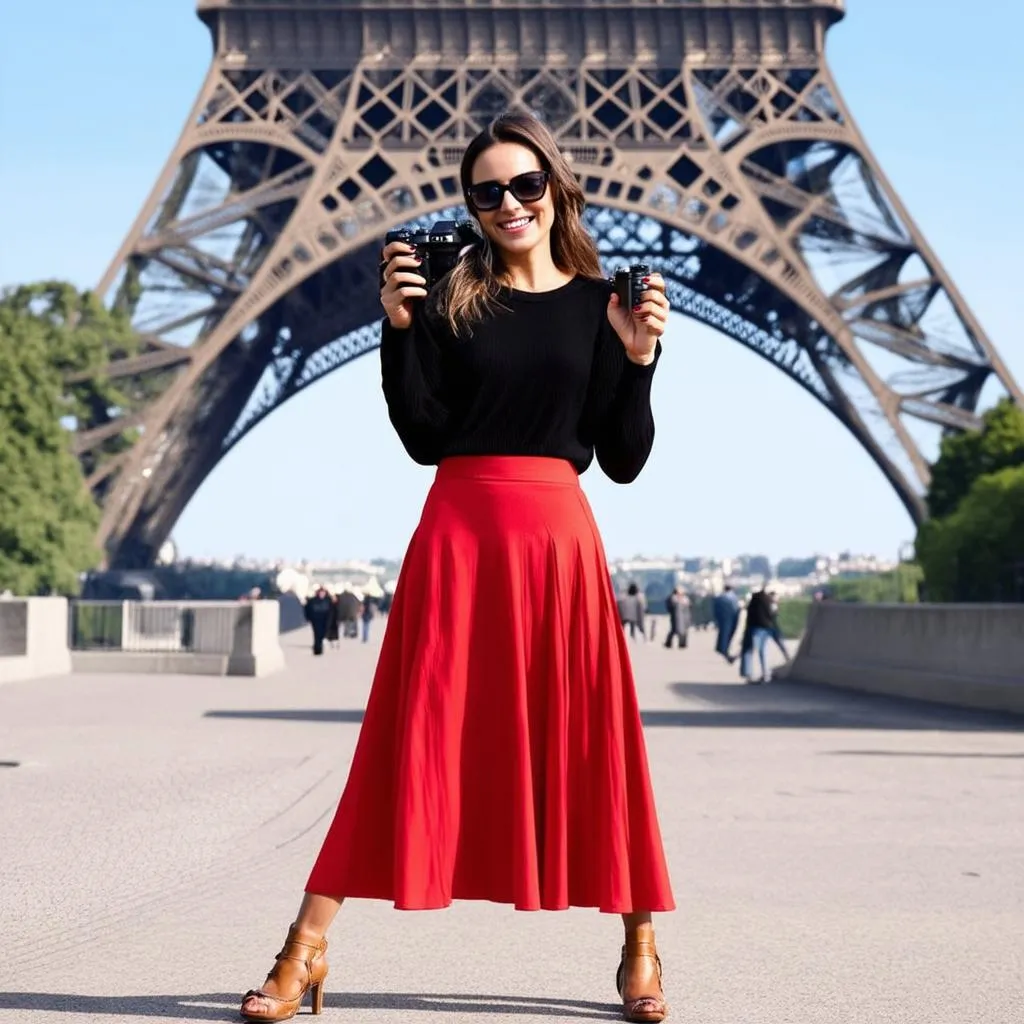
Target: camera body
629, 284
439, 246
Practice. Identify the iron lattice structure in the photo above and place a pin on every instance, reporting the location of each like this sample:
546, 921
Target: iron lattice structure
708, 135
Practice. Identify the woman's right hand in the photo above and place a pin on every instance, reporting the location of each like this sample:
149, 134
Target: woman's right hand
402, 283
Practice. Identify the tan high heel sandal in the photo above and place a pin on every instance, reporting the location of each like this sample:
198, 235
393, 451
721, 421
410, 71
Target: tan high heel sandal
645, 1008
307, 949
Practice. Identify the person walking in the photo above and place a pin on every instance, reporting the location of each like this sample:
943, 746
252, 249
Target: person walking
726, 610
331, 636
318, 615
677, 604
759, 629
632, 609
502, 756
366, 614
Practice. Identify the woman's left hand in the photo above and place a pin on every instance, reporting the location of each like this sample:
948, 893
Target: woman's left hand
640, 328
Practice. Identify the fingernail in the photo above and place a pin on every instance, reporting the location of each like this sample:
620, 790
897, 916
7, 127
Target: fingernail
636, 307
646, 280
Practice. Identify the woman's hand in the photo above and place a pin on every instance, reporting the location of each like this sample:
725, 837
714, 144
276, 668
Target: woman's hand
640, 328
402, 283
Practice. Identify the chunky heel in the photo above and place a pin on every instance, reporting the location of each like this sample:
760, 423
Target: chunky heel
317, 993
301, 967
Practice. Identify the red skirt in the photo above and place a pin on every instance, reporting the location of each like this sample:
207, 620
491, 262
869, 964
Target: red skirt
501, 755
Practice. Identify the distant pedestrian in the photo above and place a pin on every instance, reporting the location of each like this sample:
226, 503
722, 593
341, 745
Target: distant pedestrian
759, 628
333, 622
318, 613
632, 610
678, 607
726, 610
367, 615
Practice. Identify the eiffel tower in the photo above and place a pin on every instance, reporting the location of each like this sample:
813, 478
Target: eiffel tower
708, 135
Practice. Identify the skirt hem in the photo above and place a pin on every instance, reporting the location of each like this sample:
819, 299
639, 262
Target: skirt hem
525, 908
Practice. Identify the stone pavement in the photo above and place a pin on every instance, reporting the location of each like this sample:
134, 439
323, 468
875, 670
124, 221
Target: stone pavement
837, 858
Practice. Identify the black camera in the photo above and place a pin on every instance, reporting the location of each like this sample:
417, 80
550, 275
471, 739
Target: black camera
439, 247
629, 284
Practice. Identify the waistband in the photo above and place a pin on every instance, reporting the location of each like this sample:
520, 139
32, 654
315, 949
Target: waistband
521, 468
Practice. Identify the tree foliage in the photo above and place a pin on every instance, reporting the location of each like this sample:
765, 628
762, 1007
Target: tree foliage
964, 458
49, 332
977, 553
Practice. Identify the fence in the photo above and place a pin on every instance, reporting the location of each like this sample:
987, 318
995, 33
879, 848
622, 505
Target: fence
164, 627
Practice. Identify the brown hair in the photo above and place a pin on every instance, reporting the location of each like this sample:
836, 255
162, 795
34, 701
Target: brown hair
471, 291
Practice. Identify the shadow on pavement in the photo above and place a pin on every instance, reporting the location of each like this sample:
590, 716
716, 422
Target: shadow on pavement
785, 705
294, 714
224, 1006
734, 706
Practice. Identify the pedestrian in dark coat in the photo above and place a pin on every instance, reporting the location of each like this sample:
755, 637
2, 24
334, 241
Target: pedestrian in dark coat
318, 612
331, 635
679, 618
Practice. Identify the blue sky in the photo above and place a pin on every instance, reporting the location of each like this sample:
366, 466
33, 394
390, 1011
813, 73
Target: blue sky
93, 96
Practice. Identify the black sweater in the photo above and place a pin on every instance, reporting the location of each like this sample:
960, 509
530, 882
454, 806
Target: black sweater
546, 375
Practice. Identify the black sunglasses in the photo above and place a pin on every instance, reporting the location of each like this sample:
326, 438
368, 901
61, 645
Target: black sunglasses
526, 188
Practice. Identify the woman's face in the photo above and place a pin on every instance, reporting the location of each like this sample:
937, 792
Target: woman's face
515, 227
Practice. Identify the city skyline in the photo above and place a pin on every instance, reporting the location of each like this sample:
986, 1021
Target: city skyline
743, 458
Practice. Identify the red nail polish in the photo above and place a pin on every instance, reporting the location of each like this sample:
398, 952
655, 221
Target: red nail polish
636, 307
647, 280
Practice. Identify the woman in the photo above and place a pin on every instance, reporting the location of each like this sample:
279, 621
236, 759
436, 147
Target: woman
501, 756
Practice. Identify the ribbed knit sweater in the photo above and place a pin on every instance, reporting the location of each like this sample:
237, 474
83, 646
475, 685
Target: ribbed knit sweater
546, 376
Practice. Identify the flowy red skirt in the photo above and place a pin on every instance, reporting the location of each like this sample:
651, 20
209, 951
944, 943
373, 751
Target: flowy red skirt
501, 755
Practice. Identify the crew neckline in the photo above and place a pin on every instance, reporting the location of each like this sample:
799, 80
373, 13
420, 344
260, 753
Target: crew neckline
550, 293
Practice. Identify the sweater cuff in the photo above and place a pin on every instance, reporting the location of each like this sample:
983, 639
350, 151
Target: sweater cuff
636, 370
386, 328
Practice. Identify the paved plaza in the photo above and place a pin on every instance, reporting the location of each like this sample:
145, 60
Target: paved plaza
837, 858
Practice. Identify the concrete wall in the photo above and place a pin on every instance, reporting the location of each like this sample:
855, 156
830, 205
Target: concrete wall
33, 638
964, 655
229, 638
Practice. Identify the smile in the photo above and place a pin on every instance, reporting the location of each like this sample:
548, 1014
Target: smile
515, 225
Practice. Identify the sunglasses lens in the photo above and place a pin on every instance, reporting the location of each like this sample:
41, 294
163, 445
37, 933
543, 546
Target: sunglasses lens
528, 188
486, 197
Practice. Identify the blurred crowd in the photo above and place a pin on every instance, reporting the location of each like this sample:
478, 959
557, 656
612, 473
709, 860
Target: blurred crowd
759, 613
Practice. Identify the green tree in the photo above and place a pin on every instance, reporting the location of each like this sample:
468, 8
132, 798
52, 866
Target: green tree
963, 458
54, 343
977, 553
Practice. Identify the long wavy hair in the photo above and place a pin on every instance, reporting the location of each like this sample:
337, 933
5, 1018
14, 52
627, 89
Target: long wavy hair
471, 290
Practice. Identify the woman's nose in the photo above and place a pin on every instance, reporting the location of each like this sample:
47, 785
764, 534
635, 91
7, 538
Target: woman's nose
509, 202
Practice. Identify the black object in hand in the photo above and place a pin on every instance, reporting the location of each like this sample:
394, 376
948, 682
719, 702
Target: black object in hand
439, 247
629, 284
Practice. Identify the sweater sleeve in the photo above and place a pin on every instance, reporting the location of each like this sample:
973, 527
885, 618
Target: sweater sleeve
413, 383
624, 433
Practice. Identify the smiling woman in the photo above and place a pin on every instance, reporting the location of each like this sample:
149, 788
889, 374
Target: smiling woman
487, 767
526, 200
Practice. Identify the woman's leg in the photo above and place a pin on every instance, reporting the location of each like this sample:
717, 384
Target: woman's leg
761, 639
288, 977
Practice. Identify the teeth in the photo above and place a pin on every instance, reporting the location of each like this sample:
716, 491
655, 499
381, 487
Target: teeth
511, 225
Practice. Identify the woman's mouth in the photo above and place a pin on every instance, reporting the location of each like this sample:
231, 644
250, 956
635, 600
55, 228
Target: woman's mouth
515, 227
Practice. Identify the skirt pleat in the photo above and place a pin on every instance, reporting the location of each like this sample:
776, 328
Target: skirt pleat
501, 756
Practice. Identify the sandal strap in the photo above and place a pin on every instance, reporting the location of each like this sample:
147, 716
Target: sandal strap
290, 950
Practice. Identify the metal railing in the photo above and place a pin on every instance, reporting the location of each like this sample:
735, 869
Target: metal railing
157, 627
